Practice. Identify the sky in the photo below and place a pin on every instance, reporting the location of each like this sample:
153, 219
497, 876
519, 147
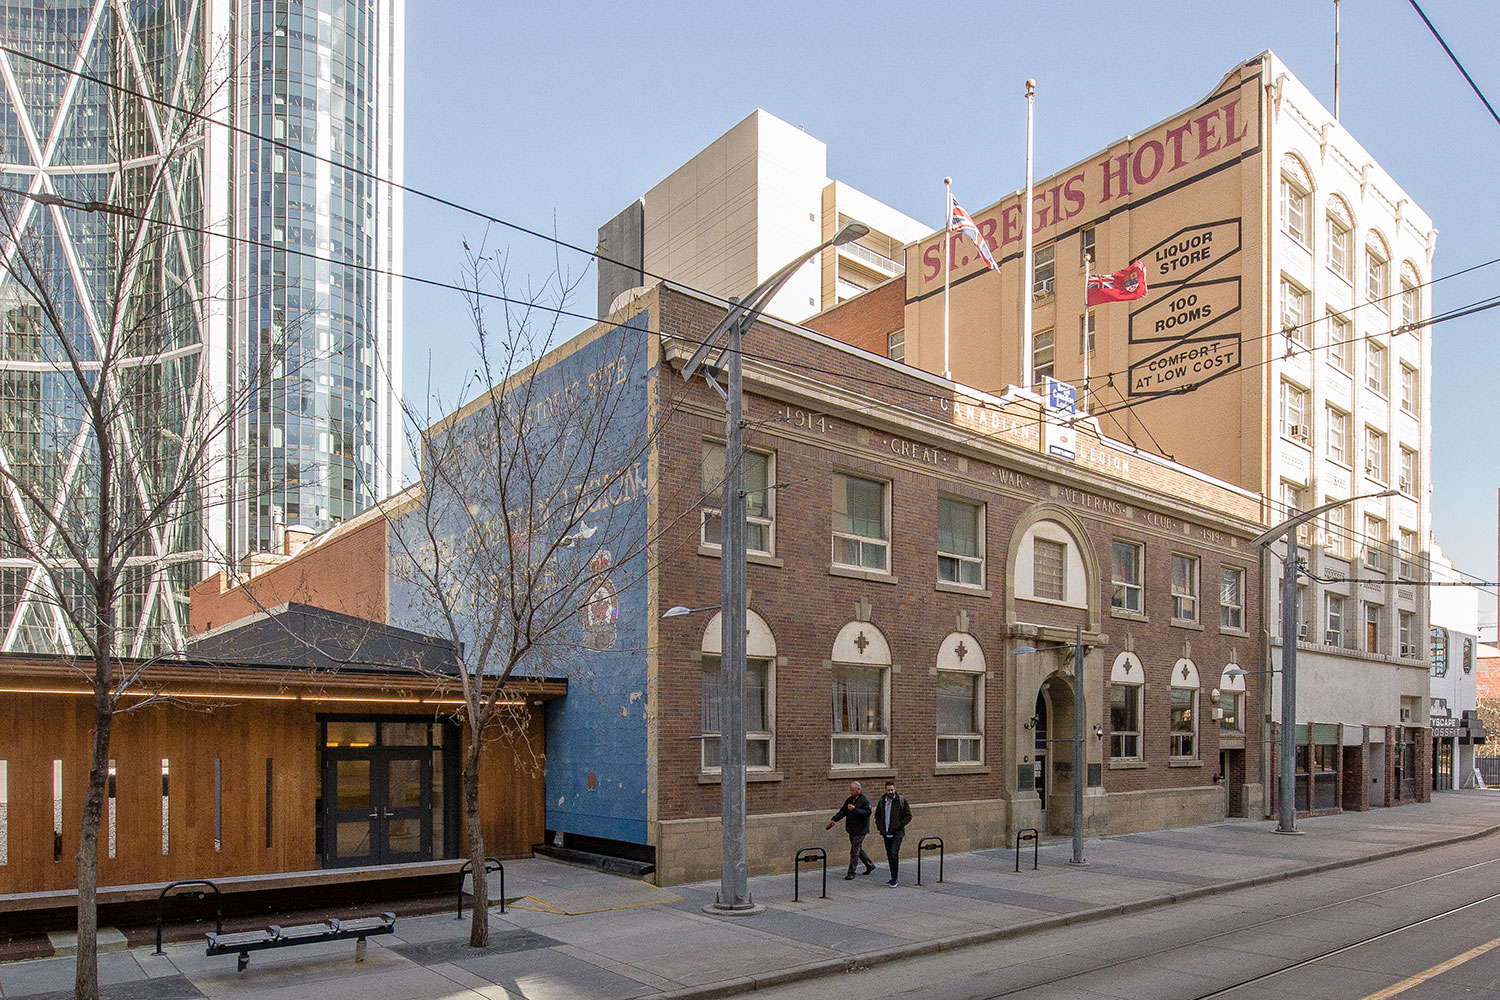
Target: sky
556, 116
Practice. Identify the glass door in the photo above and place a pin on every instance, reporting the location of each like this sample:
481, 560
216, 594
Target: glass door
405, 825
351, 826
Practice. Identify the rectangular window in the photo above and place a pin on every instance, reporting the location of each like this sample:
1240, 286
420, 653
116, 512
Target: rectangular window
1184, 722
1294, 303
1049, 569
960, 727
859, 715
861, 536
1126, 559
1232, 598
1293, 204
1409, 554
1410, 399
1374, 454
1333, 620
759, 734
1338, 435
1184, 588
1086, 333
960, 542
895, 345
1377, 276
1043, 355
1232, 720
1044, 270
1340, 337
1408, 629
1294, 502
1338, 247
1336, 531
1409, 304
1375, 376
1086, 247
1372, 628
760, 525
1375, 543
1125, 721
1294, 412
1408, 472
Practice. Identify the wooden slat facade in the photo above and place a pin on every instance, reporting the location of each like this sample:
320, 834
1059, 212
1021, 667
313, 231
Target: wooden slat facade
242, 732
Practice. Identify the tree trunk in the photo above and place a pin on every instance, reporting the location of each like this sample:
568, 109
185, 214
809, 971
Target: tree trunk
86, 974
479, 928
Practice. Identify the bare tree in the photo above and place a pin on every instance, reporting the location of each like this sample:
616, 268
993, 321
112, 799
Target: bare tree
529, 522
111, 438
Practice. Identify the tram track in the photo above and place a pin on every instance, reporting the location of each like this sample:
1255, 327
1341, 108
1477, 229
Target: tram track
1279, 918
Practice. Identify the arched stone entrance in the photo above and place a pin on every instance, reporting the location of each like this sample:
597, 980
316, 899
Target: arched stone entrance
1055, 751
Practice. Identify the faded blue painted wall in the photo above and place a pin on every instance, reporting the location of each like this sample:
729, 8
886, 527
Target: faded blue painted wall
596, 736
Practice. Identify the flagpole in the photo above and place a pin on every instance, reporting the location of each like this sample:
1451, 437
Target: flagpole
1028, 262
947, 266
1083, 397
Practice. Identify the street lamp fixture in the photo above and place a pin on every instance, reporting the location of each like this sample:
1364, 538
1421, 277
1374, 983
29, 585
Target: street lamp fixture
734, 888
679, 610
1080, 757
1287, 786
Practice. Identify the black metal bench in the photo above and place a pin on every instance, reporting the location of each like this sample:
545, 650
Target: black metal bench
277, 936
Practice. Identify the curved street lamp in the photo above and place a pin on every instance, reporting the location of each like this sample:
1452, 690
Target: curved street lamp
734, 888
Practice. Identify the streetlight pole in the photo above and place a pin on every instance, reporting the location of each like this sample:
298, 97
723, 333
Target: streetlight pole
1287, 785
734, 888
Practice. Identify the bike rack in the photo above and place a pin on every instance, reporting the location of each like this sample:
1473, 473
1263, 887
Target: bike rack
808, 856
1031, 834
490, 865
162, 899
930, 844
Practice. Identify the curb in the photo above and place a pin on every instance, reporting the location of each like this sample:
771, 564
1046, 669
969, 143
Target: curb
853, 963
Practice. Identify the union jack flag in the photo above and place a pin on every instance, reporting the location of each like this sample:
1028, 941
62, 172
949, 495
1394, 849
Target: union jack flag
1122, 286
960, 222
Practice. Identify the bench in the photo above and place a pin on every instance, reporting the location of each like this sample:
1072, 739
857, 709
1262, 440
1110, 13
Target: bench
276, 936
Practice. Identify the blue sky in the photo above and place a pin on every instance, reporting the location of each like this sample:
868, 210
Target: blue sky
556, 116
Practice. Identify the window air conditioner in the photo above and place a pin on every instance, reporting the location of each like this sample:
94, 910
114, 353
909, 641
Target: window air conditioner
1294, 430
1406, 715
1304, 630
1405, 485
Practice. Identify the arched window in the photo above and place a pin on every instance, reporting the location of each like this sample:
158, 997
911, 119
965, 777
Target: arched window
1377, 269
1295, 199
1049, 566
1184, 704
760, 694
1437, 645
1340, 230
861, 696
960, 700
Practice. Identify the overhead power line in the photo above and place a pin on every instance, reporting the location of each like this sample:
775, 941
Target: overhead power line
1472, 85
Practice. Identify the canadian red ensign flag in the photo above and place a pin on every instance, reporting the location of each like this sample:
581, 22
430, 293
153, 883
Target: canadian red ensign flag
1122, 286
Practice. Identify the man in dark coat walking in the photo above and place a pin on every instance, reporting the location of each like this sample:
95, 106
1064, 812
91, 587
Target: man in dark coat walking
855, 812
892, 813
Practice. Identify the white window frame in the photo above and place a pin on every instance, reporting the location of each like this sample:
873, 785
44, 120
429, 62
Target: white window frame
1377, 375
973, 742
1410, 389
1295, 416
1408, 544
1340, 343
767, 736
1406, 629
1411, 303
1043, 345
1336, 534
1044, 270
961, 561
895, 345
1372, 617
1232, 613
1340, 247
1135, 586
1410, 469
1295, 205
882, 544
716, 514
1087, 325
1333, 619
1377, 276
1294, 501
1376, 543
1062, 577
1338, 434
1119, 737
1376, 459
1295, 306
1185, 600
863, 738
1087, 240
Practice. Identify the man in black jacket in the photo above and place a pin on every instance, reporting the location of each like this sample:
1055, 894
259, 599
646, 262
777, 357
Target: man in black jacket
855, 812
892, 813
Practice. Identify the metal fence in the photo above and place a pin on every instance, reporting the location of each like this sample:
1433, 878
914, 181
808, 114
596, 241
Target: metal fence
1489, 770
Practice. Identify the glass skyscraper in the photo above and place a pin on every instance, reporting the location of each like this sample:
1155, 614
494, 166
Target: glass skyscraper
251, 247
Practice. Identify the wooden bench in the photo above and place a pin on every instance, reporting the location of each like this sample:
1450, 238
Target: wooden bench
277, 936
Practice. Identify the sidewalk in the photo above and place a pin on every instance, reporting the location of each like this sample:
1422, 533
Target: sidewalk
579, 934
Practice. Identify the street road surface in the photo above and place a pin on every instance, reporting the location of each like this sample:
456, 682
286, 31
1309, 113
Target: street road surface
1420, 927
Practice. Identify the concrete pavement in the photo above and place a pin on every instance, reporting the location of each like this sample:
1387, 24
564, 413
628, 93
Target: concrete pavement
580, 934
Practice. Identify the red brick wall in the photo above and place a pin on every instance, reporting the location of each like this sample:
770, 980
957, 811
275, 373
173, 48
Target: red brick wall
865, 320
346, 573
